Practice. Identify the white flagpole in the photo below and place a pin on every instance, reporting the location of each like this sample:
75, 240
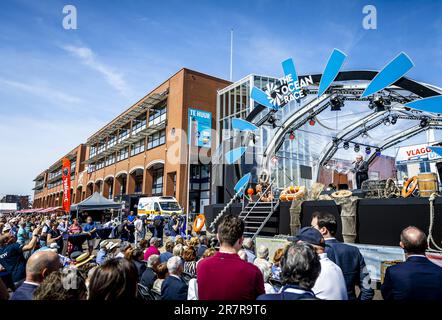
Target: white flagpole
231, 54
188, 175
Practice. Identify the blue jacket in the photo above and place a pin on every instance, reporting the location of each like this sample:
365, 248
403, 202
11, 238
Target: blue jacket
24, 292
415, 279
352, 264
173, 288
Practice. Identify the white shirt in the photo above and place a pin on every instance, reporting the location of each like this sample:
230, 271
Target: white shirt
330, 284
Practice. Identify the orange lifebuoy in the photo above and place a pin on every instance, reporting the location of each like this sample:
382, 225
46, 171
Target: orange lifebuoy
292, 193
408, 189
199, 223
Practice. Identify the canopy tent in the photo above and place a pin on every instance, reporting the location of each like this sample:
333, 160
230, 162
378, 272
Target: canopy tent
96, 202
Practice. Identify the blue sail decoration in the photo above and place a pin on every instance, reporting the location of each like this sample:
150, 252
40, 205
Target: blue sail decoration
437, 150
331, 70
242, 183
233, 155
431, 104
392, 72
289, 70
243, 125
262, 98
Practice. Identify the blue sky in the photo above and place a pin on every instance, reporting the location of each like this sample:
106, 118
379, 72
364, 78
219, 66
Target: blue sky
58, 86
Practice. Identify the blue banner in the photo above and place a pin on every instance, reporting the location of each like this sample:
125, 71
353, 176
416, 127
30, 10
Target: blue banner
199, 128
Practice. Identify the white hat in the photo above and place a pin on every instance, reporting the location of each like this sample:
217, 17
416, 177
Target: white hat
54, 245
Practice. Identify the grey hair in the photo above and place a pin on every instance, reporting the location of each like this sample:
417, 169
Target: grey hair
153, 240
152, 260
262, 252
178, 250
173, 264
248, 243
242, 254
265, 267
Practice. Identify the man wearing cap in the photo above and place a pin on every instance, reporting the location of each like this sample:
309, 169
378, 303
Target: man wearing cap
330, 285
101, 254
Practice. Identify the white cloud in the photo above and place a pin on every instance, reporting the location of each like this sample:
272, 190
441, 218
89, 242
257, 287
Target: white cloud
88, 57
42, 91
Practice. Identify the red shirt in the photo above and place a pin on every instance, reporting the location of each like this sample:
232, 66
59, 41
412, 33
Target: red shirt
150, 251
226, 277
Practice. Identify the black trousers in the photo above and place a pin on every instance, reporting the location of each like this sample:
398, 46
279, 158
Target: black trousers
361, 177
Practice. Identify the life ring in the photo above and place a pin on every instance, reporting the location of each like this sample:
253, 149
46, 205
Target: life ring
409, 186
264, 177
199, 223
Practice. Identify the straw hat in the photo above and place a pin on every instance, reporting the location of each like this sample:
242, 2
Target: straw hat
83, 259
341, 194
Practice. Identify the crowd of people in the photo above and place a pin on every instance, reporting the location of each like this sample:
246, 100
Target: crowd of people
37, 263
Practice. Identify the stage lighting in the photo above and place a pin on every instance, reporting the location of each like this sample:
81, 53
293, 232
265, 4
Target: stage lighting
346, 145
367, 150
364, 134
393, 120
424, 122
312, 122
357, 148
272, 121
336, 103
387, 121
379, 103
378, 152
292, 135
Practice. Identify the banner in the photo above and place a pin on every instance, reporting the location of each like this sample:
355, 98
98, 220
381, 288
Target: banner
199, 128
66, 179
415, 153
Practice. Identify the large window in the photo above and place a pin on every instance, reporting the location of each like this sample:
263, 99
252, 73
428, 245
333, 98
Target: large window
137, 147
138, 125
112, 141
157, 115
99, 165
156, 139
92, 151
110, 160
123, 154
91, 168
101, 147
124, 134
157, 183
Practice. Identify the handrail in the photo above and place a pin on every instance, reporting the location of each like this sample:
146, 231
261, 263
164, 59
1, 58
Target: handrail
256, 202
265, 220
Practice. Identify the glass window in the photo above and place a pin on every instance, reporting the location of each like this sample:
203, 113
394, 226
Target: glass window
156, 139
137, 147
112, 141
101, 147
124, 134
92, 151
99, 165
123, 154
138, 125
157, 115
110, 160
157, 183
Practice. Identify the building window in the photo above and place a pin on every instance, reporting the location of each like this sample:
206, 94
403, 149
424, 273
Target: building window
124, 134
110, 160
156, 139
157, 115
157, 183
92, 151
137, 147
123, 154
138, 125
101, 147
91, 168
99, 165
112, 141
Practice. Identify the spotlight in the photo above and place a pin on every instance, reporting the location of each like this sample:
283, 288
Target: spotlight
336, 103
357, 148
367, 150
424, 122
292, 135
272, 121
387, 121
346, 145
393, 120
378, 152
379, 103
312, 122
364, 134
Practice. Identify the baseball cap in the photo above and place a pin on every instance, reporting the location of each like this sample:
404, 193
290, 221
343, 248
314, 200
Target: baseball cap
309, 235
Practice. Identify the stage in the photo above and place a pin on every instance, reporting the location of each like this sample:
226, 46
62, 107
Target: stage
379, 221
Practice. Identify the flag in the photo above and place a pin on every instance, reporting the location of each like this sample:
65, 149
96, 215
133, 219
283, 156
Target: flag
66, 178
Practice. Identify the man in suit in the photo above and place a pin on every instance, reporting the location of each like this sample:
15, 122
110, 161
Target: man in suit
417, 278
361, 171
347, 257
174, 287
149, 275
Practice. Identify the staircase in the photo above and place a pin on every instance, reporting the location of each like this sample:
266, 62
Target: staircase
255, 216
223, 211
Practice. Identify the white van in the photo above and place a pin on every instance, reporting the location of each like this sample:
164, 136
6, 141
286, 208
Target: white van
153, 206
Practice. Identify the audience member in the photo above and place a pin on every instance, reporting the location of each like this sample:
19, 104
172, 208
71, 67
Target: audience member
174, 287
149, 275
276, 267
249, 247
347, 257
417, 278
166, 255
225, 276
54, 287
266, 269
189, 256
153, 248
162, 273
